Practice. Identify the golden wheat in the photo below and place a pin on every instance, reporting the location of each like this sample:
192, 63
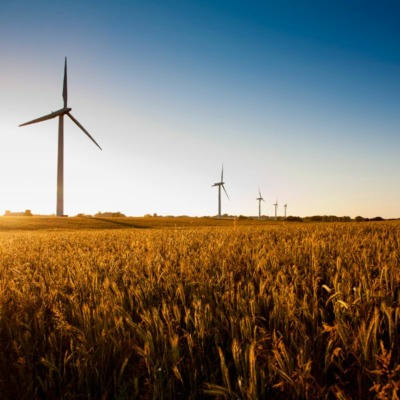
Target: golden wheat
282, 311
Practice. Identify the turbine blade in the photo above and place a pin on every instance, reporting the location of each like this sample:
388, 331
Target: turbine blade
48, 116
223, 187
84, 130
65, 88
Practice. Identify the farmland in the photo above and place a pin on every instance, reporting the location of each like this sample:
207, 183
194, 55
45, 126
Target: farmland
198, 308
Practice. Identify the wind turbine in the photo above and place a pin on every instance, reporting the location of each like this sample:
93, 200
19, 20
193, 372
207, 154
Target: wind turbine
60, 162
285, 207
276, 207
219, 184
259, 203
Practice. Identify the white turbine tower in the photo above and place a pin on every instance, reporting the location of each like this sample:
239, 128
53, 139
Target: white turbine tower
276, 208
285, 207
260, 199
60, 161
219, 184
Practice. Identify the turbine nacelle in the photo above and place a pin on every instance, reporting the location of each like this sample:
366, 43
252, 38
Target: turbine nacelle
53, 114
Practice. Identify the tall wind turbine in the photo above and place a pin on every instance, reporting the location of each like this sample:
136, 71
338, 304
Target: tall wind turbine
276, 208
260, 199
219, 184
285, 207
60, 162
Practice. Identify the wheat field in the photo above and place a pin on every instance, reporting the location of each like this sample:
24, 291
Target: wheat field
282, 311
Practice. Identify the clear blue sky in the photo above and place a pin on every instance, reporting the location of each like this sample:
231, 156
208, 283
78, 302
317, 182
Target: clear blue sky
299, 98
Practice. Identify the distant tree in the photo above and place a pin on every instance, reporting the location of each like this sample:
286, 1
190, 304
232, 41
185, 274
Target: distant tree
327, 218
359, 219
315, 218
291, 218
7, 213
28, 213
376, 219
110, 214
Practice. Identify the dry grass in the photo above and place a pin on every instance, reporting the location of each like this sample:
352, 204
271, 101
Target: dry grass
273, 311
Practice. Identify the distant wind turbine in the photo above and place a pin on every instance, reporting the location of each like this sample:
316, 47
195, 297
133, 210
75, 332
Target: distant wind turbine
285, 207
260, 199
276, 208
60, 162
219, 184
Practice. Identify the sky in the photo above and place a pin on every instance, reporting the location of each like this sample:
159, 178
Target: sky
297, 99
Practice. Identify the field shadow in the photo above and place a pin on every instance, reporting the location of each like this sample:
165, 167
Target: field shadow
124, 224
